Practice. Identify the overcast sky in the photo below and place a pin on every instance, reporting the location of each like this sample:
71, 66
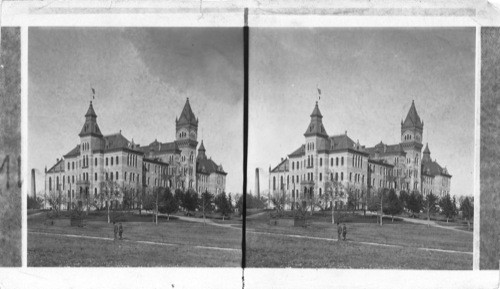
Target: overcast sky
142, 77
368, 79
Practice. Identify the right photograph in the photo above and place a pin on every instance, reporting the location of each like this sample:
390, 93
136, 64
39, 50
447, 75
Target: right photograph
490, 149
361, 148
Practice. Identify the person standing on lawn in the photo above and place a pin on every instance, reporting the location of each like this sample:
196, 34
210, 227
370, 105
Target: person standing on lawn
121, 230
344, 231
115, 228
339, 231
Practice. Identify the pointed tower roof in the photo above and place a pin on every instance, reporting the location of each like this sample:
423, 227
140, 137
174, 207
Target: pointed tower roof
202, 147
426, 150
427, 154
187, 115
316, 125
412, 118
90, 126
90, 111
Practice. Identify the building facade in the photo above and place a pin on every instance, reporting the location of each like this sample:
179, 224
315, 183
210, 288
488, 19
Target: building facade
100, 168
322, 160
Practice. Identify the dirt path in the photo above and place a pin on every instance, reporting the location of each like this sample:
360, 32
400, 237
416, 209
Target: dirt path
133, 241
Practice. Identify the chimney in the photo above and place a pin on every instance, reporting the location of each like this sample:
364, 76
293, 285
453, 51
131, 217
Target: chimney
257, 184
33, 183
57, 160
281, 159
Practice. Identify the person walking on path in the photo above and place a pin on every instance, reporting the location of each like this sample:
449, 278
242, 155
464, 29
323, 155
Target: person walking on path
115, 229
344, 231
121, 230
339, 231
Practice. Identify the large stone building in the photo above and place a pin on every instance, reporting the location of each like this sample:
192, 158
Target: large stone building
101, 164
308, 170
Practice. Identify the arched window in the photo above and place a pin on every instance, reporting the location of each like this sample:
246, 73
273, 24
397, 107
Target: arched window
68, 166
331, 162
320, 162
336, 176
281, 183
342, 161
293, 166
337, 161
342, 176
274, 183
50, 184
116, 174
320, 177
106, 161
106, 176
320, 192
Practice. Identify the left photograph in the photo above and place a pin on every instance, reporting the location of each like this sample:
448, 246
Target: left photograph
10, 147
135, 147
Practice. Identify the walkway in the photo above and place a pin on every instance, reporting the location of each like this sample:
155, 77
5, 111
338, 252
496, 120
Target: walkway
134, 241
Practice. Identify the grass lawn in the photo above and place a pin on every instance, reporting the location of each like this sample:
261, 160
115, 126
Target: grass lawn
46, 250
283, 251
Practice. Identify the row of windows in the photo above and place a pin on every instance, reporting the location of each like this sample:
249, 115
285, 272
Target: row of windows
310, 162
132, 160
357, 161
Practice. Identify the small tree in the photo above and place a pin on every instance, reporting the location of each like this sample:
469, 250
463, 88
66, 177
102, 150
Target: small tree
55, 200
168, 204
280, 200
190, 200
447, 207
414, 203
430, 205
394, 206
467, 208
239, 204
403, 198
206, 203
223, 205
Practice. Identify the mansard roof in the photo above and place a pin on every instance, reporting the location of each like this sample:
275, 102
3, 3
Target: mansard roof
432, 168
116, 141
412, 118
283, 166
159, 147
73, 153
207, 166
382, 149
187, 116
298, 152
343, 142
58, 167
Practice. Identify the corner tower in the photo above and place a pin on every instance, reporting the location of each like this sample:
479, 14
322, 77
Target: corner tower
315, 138
90, 134
412, 129
186, 130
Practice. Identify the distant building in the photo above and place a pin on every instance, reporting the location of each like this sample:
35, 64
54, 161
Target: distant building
102, 166
322, 158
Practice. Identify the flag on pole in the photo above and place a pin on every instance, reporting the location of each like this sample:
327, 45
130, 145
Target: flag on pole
319, 92
93, 93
